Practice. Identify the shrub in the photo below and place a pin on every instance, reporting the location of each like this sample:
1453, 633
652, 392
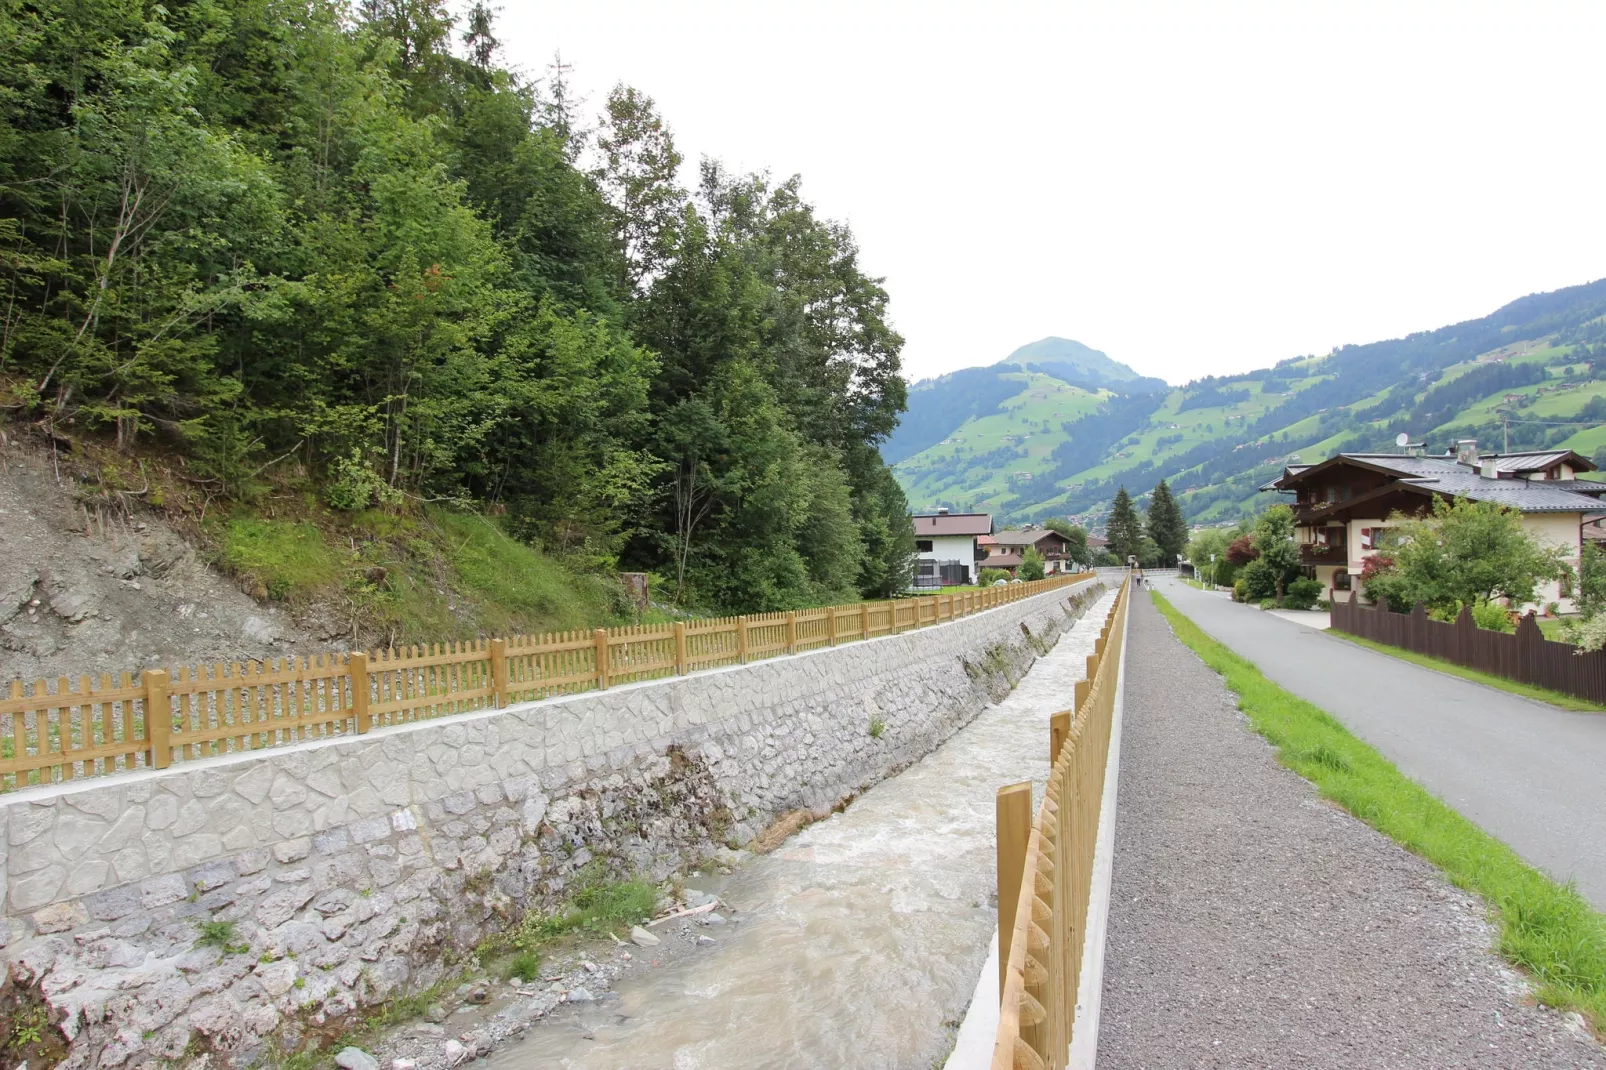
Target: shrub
990, 576
1492, 617
1240, 590
355, 485
1031, 565
526, 966
1303, 593
1259, 580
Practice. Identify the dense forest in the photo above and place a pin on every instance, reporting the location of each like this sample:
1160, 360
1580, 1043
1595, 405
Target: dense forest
274, 236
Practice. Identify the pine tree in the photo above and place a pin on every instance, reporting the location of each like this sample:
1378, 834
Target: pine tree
1124, 530
1166, 526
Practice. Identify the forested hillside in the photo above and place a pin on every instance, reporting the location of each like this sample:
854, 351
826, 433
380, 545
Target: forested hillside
1532, 373
328, 264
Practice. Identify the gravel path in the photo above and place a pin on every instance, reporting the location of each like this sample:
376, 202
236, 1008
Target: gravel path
1253, 925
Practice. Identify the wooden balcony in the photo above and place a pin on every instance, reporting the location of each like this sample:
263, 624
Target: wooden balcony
1315, 553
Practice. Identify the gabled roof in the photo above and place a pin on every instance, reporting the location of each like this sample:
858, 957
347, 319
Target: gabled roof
929, 524
1537, 461
1019, 537
1010, 560
1444, 476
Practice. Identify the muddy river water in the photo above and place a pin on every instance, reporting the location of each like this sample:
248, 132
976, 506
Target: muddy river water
859, 941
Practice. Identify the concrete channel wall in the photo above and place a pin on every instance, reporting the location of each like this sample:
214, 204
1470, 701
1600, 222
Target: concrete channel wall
351, 870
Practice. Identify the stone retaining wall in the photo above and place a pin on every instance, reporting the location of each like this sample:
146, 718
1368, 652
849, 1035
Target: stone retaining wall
348, 871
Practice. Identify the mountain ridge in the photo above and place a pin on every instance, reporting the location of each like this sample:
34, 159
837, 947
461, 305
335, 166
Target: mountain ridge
1037, 443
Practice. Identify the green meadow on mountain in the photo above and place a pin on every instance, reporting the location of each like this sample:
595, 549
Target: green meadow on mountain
1056, 427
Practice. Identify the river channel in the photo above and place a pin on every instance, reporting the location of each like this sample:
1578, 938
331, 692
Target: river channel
860, 940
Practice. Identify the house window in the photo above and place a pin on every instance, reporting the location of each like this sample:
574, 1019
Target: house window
923, 546
1341, 581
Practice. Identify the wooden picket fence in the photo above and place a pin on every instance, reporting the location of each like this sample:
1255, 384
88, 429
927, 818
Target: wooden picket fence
1045, 869
56, 731
1526, 655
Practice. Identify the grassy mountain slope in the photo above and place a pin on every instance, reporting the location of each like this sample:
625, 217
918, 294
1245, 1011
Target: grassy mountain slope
1532, 369
940, 406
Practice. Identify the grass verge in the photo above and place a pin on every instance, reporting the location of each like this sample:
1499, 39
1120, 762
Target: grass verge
1545, 928
1538, 694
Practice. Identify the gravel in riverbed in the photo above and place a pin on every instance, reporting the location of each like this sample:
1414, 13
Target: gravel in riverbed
1254, 925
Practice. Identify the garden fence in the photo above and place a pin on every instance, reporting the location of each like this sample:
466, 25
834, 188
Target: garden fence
53, 731
1526, 656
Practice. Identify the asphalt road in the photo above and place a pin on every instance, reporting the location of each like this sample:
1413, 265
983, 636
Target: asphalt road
1530, 774
1254, 926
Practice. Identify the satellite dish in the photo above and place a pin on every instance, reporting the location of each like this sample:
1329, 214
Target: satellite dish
1402, 439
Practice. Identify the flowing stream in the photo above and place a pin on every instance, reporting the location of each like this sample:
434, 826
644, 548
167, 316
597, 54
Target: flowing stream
860, 940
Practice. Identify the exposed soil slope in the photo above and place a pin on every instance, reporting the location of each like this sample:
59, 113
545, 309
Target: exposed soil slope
91, 590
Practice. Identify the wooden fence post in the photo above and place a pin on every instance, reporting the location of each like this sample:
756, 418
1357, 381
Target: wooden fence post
741, 638
1082, 688
830, 625
864, 620
158, 719
680, 648
1059, 729
1014, 804
357, 669
601, 637
791, 631
499, 680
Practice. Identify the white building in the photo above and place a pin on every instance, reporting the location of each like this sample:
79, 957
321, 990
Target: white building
945, 546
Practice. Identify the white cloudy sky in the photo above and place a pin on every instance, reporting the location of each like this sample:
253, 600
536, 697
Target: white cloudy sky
1191, 187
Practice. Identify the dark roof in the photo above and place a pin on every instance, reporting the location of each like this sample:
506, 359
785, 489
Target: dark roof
929, 524
1592, 487
1291, 470
1445, 476
1000, 561
1019, 537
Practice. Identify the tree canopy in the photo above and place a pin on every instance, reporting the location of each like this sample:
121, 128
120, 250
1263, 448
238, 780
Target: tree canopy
1464, 553
349, 243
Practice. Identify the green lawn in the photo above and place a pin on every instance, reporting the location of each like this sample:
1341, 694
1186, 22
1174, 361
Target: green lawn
1538, 694
1545, 928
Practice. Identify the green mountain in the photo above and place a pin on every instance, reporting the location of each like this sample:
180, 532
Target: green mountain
1078, 364
1055, 428
1049, 380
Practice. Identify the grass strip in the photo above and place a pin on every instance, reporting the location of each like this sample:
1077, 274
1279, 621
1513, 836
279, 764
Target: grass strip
1515, 687
1545, 928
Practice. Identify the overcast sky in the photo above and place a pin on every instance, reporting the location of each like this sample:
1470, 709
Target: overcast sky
1193, 188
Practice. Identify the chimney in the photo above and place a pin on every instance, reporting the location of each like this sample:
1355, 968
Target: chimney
1487, 471
942, 510
1466, 452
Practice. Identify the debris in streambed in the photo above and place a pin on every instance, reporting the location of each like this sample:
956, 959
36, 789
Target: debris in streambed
484, 1013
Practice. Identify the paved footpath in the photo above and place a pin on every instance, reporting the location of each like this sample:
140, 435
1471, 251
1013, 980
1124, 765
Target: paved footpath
1253, 925
1530, 774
